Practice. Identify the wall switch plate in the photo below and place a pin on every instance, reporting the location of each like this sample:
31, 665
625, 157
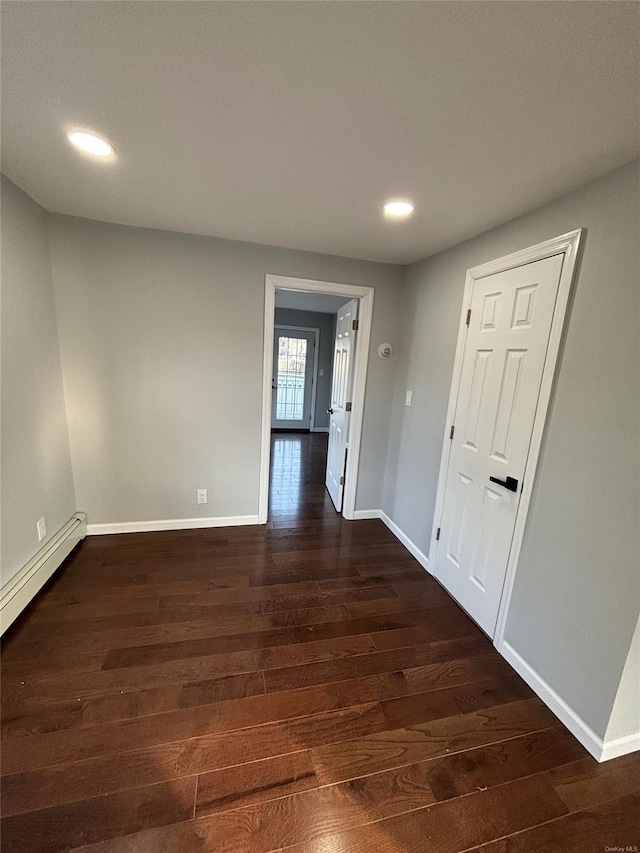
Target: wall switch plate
42, 529
409, 398
203, 498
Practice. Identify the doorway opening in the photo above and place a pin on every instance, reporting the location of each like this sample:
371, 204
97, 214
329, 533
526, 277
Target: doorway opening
316, 343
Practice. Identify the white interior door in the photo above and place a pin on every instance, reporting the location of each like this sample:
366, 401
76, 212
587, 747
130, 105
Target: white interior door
293, 359
503, 361
340, 390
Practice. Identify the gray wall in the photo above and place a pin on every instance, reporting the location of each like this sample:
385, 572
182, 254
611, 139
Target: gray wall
326, 323
35, 465
577, 591
161, 337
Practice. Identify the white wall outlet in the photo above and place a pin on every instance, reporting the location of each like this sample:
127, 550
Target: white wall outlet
42, 529
409, 398
322, 371
203, 497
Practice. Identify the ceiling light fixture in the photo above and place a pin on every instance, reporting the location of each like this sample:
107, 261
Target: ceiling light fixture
398, 208
90, 143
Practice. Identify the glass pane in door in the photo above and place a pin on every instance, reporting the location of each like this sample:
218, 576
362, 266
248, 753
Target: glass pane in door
292, 361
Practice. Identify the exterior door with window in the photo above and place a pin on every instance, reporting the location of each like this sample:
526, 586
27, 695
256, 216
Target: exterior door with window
504, 355
292, 384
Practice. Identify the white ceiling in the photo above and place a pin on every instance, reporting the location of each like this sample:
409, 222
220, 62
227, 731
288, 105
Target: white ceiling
290, 123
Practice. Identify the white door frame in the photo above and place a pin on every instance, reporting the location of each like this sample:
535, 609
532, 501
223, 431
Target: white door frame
314, 370
365, 316
567, 244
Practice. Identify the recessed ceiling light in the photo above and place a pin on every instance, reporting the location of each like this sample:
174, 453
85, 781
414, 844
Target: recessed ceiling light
398, 208
90, 143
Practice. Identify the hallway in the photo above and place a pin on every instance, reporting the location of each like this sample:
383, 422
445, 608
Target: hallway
294, 688
296, 478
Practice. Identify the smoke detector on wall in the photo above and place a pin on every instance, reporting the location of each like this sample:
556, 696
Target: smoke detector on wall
385, 350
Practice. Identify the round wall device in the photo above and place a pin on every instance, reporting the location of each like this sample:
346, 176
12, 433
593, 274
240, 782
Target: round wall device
385, 350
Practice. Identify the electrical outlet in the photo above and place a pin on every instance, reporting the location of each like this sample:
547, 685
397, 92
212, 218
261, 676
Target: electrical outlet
409, 398
203, 498
42, 529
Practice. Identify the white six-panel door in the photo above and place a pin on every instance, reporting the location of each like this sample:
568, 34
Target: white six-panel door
502, 367
340, 390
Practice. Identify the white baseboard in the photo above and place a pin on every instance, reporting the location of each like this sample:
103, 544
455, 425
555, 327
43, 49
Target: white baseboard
170, 524
320, 429
413, 549
564, 712
620, 746
24, 586
360, 514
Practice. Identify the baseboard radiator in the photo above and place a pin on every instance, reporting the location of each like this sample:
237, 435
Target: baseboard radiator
24, 586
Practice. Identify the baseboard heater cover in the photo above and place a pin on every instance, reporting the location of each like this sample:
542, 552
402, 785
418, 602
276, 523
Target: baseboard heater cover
16, 594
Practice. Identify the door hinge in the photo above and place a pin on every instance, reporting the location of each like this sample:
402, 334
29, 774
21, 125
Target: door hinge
354, 325
342, 481
348, 407
453, 429
437, 534
468, 316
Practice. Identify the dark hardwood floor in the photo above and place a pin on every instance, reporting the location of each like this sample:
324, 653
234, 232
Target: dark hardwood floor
304, 687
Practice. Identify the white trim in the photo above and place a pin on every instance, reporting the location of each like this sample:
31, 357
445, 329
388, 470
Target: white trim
314, 370
567, 244
170, 524
564, 712
409, 544
320, 429
620, 746
16, 594
362, 340
363, 514
267, 374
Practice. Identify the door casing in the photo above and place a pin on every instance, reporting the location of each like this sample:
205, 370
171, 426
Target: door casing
569, 245
361, 358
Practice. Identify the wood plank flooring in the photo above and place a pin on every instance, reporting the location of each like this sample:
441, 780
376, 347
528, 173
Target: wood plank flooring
300, 688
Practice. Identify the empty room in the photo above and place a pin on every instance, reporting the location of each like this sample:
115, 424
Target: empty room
320, 426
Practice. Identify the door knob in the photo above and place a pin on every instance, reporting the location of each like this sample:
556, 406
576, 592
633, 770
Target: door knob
510, 483
329, 411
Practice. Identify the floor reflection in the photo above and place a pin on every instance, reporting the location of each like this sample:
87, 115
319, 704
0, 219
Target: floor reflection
297, 474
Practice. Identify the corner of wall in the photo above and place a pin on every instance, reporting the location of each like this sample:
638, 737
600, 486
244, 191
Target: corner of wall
623, 730
65, 391
37, 477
